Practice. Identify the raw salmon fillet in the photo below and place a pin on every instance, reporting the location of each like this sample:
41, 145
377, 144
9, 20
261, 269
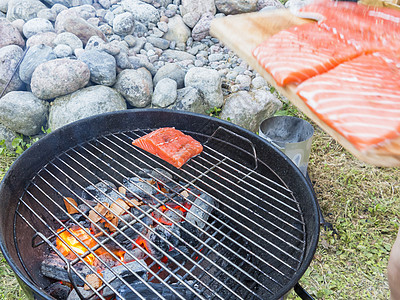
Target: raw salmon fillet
360, 98
301, 52
375, 28
170, 144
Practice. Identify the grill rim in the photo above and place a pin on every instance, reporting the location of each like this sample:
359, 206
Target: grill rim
94, 127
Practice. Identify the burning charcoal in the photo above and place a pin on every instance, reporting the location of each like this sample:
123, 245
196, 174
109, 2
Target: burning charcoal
181, 255
58, 290
193, 193
84, 208
147, 293
130, 273
134, 254
199, 216
141, 187
110, 197
132, 234
151, 201
53, 267
126, 218
74, 295
139, 212
94, 190
107, 259
96, 227
161, 175
169, 216
154, 242
184, 234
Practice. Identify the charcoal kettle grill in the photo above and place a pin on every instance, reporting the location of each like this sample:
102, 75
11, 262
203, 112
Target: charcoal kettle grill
258, 240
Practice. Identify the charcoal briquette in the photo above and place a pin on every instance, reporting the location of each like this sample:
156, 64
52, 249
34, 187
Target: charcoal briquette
54, 267
58, 290
147, 292
130, 273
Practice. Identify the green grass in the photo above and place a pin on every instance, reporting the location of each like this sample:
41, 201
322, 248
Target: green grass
9, 288
362, 203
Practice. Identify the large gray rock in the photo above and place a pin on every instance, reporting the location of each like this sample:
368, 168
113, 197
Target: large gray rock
249, 109
9, 34
35, 56
230, 7
193, 10
59, 77
190, 99
85, 12
207, 81
22, 112
172, 71
202, 28
24, 9
35, 26
141, 11
102, 66
177, 30
82, 29
45, 38
165, 93
9, 58
69, 39
136, 86
124, 24
84, 103
8, 136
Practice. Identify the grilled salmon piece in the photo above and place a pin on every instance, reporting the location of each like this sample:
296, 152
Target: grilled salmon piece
170, 144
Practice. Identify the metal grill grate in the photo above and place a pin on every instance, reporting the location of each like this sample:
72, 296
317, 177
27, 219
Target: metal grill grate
252, 244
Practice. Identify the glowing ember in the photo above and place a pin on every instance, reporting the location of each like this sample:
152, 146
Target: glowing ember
80, 247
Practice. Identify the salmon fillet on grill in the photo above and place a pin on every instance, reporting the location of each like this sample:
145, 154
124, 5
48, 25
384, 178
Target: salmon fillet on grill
170, 144
360, 98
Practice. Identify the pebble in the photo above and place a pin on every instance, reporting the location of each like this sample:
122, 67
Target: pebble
123, 24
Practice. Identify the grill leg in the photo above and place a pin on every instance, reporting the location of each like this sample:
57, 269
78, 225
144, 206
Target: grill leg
302, 293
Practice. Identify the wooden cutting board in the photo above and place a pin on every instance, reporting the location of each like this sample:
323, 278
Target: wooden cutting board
242, 33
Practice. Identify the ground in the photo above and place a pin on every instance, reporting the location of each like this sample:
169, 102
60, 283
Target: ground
362, 204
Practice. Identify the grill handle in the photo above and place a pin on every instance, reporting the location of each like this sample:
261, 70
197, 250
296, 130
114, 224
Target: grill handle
220, 128
302, 292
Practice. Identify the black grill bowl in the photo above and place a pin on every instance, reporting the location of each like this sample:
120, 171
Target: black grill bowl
24, 260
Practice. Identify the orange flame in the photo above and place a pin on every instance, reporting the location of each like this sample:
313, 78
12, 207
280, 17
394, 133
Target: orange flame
65, 238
